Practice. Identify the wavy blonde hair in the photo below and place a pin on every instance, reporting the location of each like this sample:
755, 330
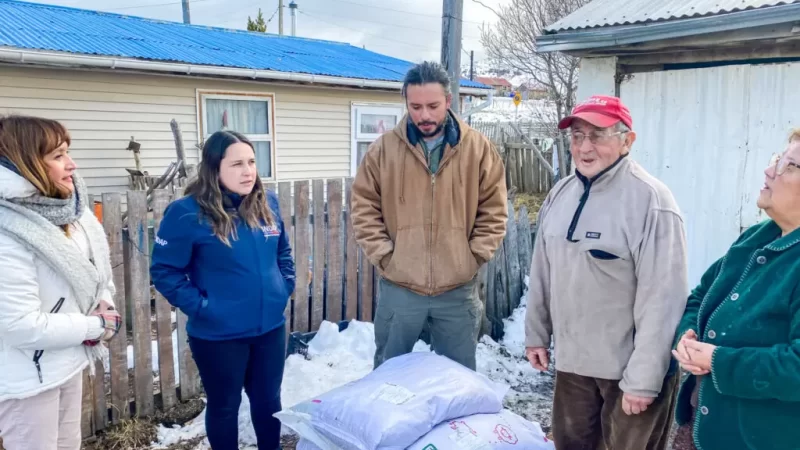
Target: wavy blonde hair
794, 134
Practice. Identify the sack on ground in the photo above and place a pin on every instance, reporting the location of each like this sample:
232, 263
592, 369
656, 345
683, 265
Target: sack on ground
395, 405
502, 431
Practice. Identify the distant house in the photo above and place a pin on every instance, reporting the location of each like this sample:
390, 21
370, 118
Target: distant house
311, 107
532, 91
713, 87
501, 85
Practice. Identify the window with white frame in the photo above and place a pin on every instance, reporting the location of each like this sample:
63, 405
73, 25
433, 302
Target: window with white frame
251, 114
370, 120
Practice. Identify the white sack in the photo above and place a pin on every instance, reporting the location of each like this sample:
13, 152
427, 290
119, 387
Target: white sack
502, 431
394, 405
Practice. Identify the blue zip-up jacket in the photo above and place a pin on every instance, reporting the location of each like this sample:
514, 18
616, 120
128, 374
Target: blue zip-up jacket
227, 292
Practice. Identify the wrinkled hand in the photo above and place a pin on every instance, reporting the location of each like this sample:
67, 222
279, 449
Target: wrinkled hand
632, 404
538, 357
687, 357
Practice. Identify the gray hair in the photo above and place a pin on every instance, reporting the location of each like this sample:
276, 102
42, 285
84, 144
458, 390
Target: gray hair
424, 73
621, 128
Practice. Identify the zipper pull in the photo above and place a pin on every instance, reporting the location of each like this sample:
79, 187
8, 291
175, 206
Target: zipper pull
39, 371
433, 180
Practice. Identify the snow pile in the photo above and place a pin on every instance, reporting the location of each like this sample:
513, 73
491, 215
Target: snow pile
337, 358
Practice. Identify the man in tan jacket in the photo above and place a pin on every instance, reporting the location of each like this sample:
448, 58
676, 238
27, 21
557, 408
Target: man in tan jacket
429, 208
609, 283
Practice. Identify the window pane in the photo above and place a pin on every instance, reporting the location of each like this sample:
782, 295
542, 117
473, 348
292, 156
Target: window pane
377, 123
361, 150
263, 159
244, 116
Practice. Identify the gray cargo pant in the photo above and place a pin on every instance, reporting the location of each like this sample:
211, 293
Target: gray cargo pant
453, 318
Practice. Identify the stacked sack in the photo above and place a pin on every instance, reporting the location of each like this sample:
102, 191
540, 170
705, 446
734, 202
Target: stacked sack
418, 401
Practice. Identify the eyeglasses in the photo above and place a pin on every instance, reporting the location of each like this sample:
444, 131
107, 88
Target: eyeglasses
595, 137
781, 163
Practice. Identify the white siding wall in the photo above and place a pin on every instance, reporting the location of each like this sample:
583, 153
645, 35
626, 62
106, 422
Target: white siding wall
708, 134
103, 110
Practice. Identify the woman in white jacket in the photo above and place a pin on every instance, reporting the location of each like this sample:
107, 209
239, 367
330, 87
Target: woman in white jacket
55, 287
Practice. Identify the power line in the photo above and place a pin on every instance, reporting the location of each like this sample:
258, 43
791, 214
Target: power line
363, 32
153, 5
426, 30
403, 11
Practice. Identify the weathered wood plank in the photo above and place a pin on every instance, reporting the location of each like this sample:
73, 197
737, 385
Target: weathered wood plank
285, 205
99, 397
367, 286
189, 375
118, 347
166, 365
524, 239
302, 255
491, 295
512, 259
485, 323
334, 279
502, 307
351, 261
87, 406
137, 257
318, 296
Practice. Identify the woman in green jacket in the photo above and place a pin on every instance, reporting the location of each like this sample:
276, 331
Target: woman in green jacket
739, 338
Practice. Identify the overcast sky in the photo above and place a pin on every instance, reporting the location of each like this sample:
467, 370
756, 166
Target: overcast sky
407, 29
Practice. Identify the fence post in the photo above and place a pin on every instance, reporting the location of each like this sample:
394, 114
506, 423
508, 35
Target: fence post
166, 364
118, 347
524, 239
318, 303
335, 252
512, 261
189, 375
138, 257
301, 210
351, 260
285, 205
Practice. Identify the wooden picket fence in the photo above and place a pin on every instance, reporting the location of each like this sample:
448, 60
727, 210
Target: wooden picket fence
335, 282
524, 171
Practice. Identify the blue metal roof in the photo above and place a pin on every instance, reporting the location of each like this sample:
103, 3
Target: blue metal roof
55, 28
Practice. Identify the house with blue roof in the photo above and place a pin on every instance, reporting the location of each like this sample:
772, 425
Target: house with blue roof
311, 107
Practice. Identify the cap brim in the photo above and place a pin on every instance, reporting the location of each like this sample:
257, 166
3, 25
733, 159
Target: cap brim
596, 119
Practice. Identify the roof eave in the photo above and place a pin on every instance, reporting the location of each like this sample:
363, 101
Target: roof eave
27, 56
581, 41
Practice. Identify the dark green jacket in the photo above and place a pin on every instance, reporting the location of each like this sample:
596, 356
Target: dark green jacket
748, 304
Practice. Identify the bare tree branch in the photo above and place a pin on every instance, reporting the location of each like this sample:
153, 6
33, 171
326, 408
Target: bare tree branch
511, 45
487, 7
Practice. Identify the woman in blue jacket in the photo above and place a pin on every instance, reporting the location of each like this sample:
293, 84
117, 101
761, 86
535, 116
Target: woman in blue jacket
222, 257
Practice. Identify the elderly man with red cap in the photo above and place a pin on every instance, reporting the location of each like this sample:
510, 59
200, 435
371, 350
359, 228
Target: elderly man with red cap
609, 283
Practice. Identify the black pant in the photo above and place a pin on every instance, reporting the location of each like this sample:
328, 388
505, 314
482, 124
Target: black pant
255, 364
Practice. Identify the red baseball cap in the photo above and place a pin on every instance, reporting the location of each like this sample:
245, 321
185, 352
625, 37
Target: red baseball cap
602, 111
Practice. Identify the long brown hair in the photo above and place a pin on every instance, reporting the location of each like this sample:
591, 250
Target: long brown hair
25, 141
207, 191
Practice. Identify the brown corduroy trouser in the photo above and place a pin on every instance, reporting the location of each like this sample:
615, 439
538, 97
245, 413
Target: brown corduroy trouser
588, 415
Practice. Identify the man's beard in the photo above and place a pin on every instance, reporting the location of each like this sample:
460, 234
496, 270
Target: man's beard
437, 130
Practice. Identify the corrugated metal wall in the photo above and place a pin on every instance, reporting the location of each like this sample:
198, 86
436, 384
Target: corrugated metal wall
708, 134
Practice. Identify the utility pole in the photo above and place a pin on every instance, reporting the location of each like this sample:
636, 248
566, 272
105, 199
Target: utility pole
471, 76
293, 9
187, 17
451, 47
280, 17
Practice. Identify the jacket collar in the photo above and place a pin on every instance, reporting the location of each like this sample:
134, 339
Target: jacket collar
410, 133
606, 177
12, 184
769, 237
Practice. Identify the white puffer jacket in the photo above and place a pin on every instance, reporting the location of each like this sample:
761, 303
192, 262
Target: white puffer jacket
39, 315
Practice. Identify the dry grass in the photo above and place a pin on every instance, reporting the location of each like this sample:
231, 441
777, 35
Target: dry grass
532, 201
134, 434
